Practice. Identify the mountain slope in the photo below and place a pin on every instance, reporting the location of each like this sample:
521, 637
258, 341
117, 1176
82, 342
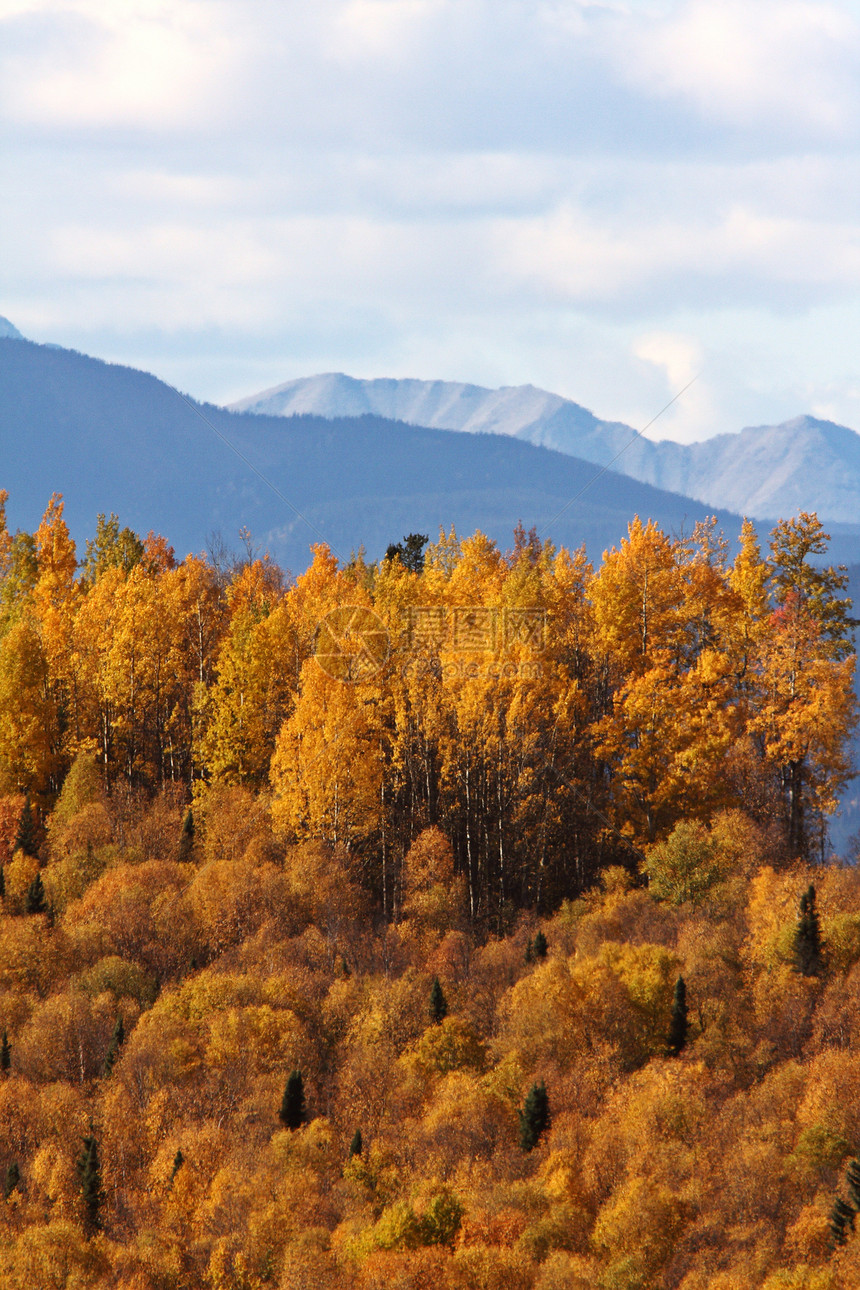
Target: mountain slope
803, 464
8, 330
115, 439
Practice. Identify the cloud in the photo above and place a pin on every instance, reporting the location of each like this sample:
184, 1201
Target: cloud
497, 190
785, 62
128, 63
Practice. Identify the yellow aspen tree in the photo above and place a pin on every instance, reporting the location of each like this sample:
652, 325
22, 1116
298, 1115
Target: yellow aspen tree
328, 762
55, 601
30, 758
807, 712
253, 694
5, 536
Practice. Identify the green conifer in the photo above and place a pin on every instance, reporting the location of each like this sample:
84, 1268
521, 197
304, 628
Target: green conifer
292, 1112
679, 1024
5, 1053
178, 1162
540, 946
116, 1042
27, 838
2, 882
840, 1221
808, 948
90, 1175
410, 552
852, 1178
438, 1002
13, 1178
186, 838
357, 1145
35, 901
534, 1117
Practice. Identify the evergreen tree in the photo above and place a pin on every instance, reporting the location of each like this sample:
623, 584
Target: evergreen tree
5, 1053
438, 1002
679, 1023
2, 882
116, 1043
357, 1145
410, 552
539, 946
852, 1177
35, 902
13, 1178
186, 838
808, 948
534, 1117
840, 1221
292, 1112
27, 838
178, 1162
90, 1175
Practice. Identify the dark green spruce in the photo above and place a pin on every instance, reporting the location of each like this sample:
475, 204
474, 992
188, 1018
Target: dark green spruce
438, 1008
292, 1112
852, 1178
35, 902
840, 1220
5, 1054
534, 1117
357, 1145
808, 947
117, 1040
186, 838
410, 552
539, 946
178, 1162
13, 1178
679, 1024
90, 1175
27, 837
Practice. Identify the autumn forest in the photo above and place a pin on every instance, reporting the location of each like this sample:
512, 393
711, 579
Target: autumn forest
459, 920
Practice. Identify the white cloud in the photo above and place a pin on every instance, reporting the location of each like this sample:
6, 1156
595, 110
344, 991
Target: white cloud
789, 62
90, 64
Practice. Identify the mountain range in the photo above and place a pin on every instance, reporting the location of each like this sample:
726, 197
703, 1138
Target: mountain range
112, 438
763, 471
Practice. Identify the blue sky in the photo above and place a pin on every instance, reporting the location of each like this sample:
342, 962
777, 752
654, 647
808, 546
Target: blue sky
602, 199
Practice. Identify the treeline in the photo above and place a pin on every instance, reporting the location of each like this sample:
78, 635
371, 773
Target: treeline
550, 718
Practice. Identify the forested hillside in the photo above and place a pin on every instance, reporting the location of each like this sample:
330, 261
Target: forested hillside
454, 921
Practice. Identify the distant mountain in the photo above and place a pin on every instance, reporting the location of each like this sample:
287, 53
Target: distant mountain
763, 471
9, 331
115, 439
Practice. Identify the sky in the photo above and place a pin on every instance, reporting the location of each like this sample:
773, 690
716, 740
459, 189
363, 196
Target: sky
602, 199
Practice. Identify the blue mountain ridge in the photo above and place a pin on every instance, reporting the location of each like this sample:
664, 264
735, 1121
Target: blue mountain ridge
112, 438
